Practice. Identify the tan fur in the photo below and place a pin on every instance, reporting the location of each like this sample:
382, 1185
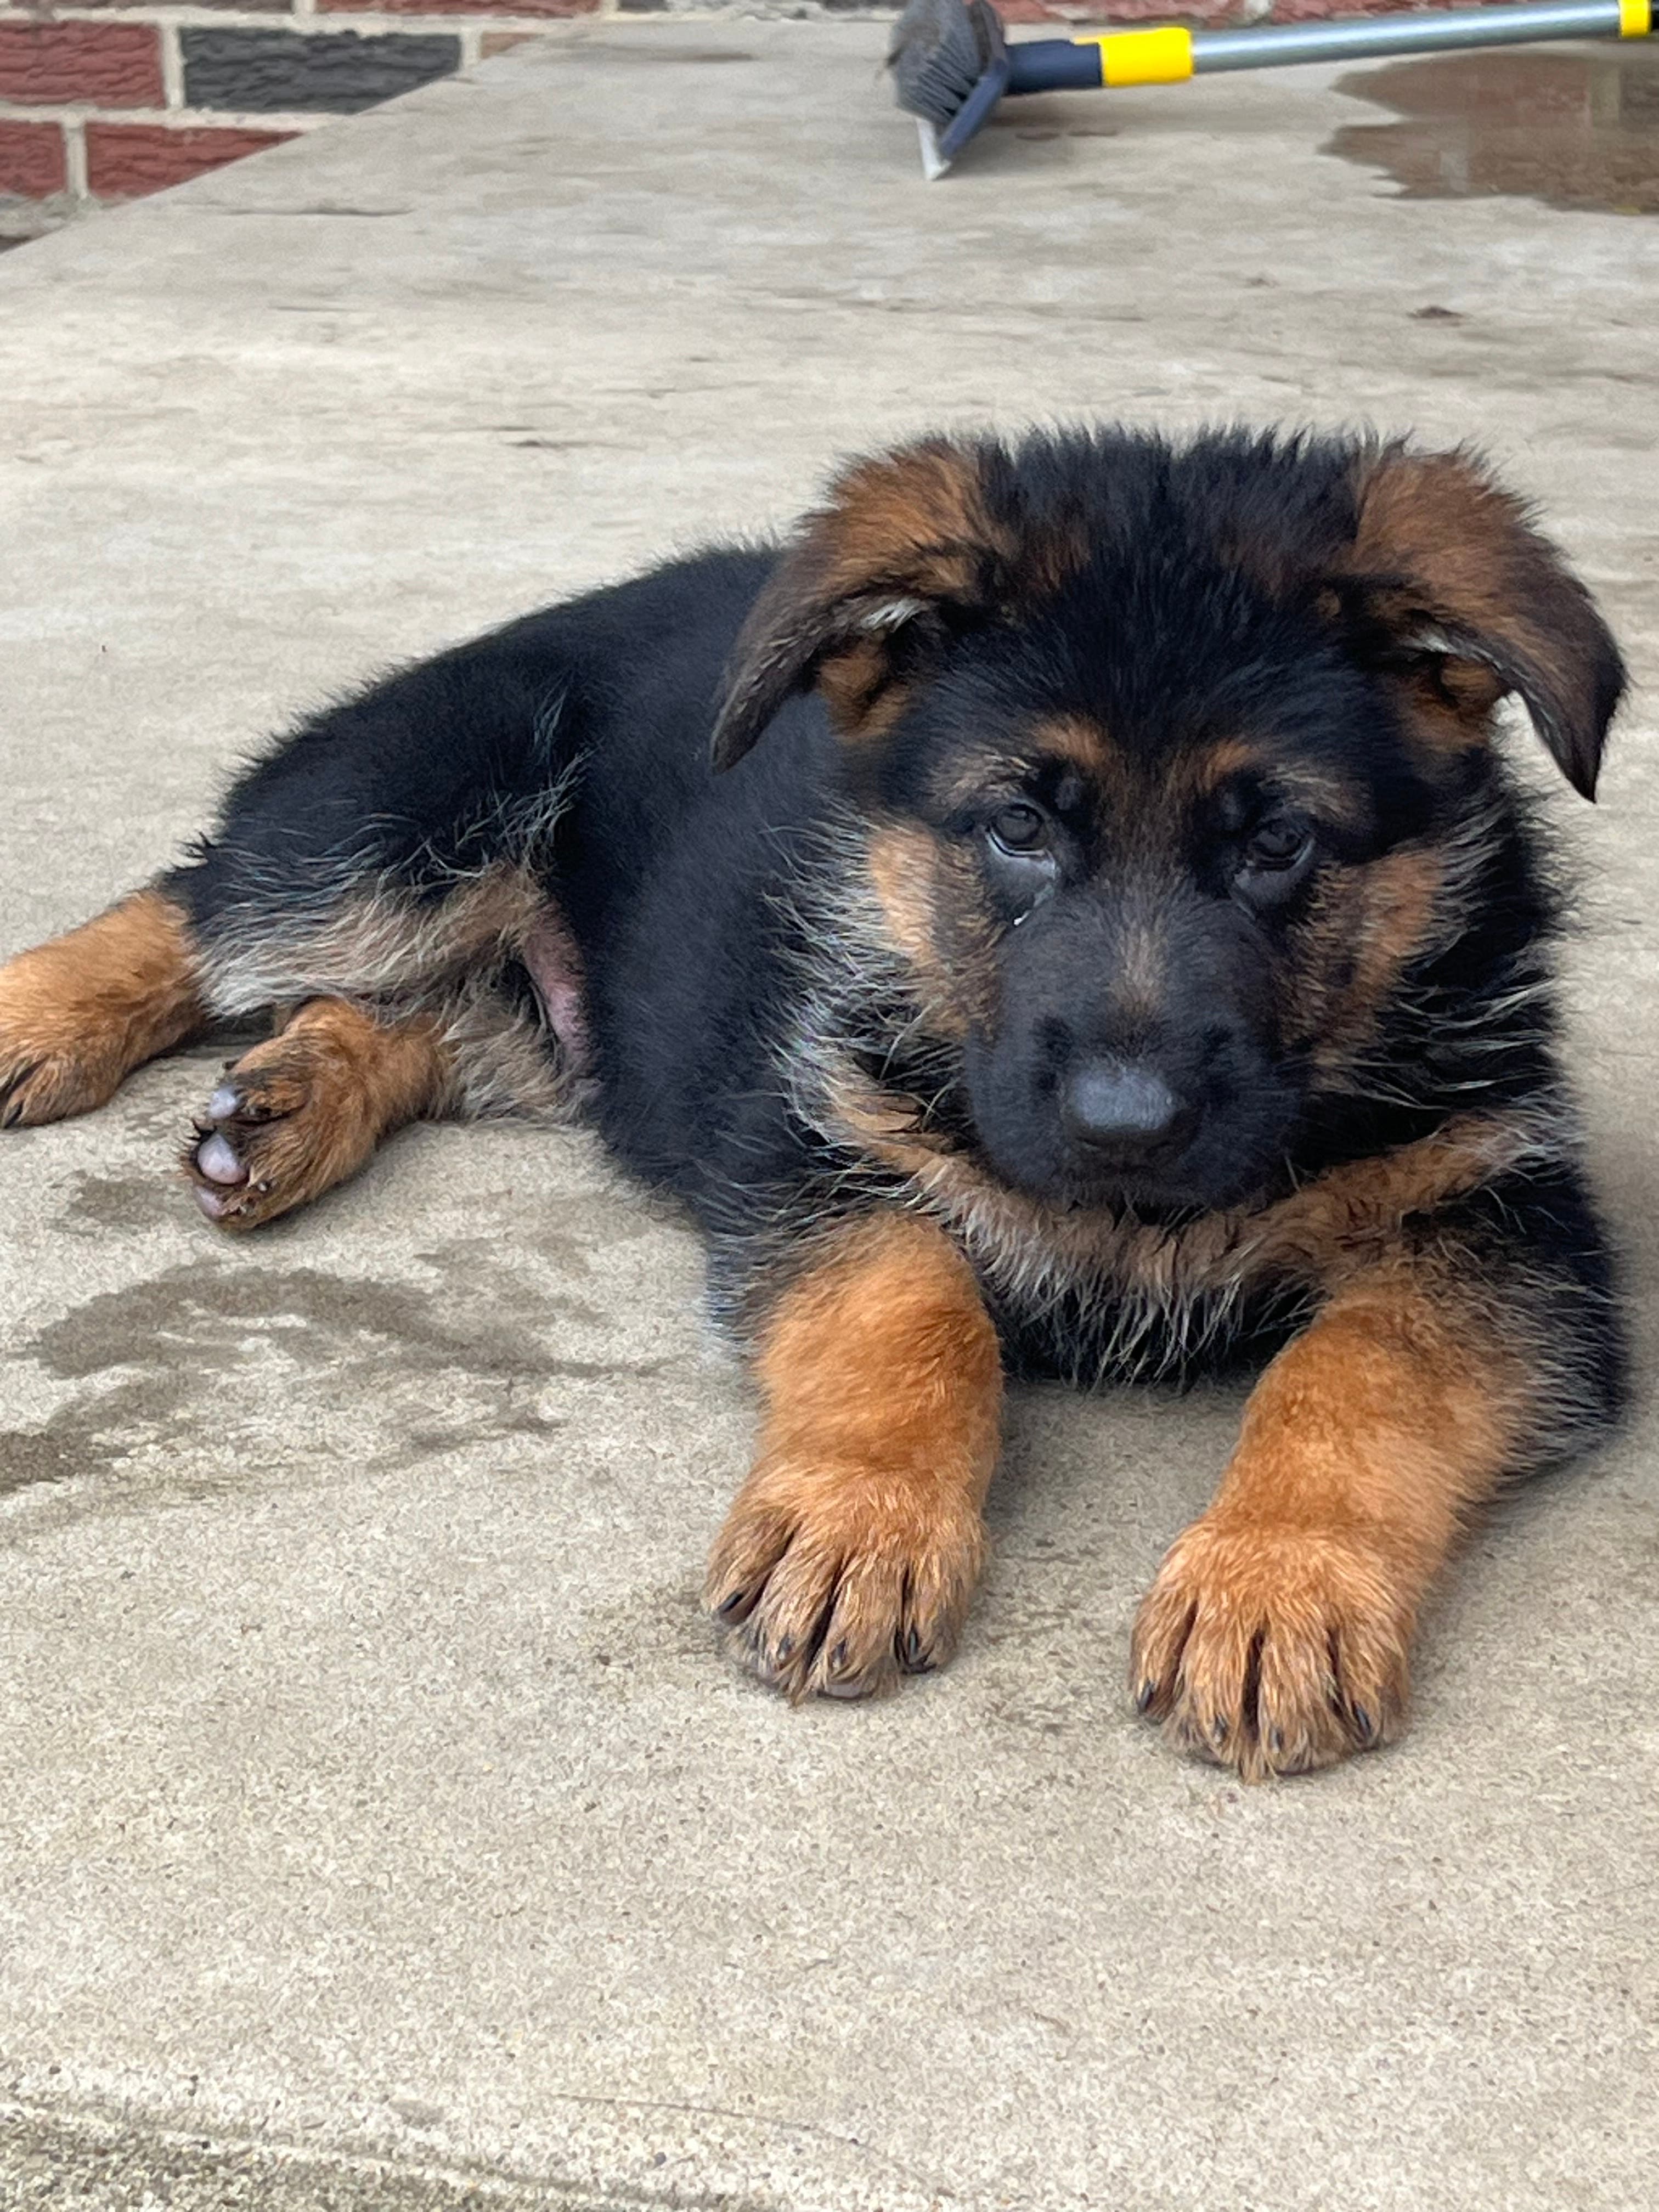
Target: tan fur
904, 867
907, 526
1089, 748
1354, 946
1458, 543
79, 1014
913, 524
858, 688
918, 514
1441, 546
316, 1100
852, 1549
1217, 764
1276, 1638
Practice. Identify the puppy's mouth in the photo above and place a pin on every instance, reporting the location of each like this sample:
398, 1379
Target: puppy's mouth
1171, 1195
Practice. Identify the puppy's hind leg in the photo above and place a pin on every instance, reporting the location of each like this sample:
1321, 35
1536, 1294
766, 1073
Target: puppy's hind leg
79, 1013
307, 1109
385, 870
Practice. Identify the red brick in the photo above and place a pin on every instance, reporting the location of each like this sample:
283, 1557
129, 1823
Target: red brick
458, 6
242, 7
32, 159
125, 160
1319, 11
1132, 15
501, 42
104, 65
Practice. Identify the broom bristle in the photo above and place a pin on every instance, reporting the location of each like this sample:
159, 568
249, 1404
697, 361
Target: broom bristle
939, 52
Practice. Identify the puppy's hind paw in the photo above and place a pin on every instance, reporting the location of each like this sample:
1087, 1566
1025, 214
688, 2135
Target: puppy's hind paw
298, 1115
285, 1123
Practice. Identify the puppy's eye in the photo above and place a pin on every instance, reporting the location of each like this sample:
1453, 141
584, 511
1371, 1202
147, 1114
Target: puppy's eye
1278, 844
1019, 829
1273, 861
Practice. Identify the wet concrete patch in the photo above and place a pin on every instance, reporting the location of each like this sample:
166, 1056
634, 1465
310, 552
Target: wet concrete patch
72, 2163
1573, 128
50, 1454
145, 1416
190, 1366
104, 1202
202, 1319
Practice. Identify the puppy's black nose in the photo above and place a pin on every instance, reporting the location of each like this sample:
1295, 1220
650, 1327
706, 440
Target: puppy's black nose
1120, 1106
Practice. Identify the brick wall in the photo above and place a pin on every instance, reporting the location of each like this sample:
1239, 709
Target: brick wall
103, 100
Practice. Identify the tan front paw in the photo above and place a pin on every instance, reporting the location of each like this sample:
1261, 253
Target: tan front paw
839, 1581
1274, 1650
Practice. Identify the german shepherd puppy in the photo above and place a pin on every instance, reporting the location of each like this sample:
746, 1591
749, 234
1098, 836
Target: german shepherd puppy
1065, 913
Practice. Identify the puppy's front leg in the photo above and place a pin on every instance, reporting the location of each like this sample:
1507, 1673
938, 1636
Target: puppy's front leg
850, 1553
1275, 1637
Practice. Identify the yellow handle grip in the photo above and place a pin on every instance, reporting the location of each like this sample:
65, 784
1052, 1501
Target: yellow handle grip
1164, 55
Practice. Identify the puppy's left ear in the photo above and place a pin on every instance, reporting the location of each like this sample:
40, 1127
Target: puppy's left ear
902, 556
1449, 567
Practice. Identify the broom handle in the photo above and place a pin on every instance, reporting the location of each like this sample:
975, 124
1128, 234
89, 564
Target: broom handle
1170, 55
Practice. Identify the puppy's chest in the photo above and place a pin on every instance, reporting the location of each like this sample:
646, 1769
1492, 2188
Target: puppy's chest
1142, 1305
1096, 1335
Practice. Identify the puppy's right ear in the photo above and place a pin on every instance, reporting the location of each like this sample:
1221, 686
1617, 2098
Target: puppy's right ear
903, 558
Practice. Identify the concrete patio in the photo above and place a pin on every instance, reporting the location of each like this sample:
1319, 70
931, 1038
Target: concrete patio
380, 1824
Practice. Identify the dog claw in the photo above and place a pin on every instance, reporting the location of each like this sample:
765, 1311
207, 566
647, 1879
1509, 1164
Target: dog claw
226, 1103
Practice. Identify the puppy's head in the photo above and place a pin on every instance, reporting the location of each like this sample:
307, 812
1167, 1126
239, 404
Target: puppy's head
1168, 757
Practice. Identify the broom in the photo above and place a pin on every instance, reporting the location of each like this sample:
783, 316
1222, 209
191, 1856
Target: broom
951, 63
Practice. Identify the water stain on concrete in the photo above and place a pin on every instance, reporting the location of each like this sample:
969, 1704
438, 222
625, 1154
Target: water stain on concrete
441, 1439
655, 1628
62, 2158
102, 1436
169, 1353
202, 1318
31, 1456
1572, 129
104, 1202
